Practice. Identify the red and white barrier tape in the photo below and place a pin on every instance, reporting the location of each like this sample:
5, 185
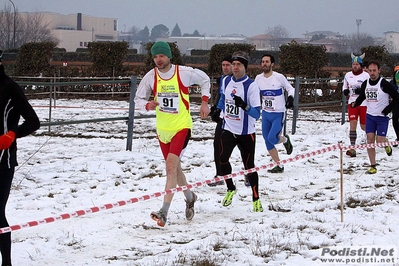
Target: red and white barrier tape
189, 186
373, 145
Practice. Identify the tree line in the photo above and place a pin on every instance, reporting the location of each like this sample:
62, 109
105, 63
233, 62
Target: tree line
109, 59
352, 42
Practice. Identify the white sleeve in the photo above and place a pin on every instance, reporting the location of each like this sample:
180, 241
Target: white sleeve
345, 84
144, 90
196, 76
287, 85
254, 96
203, 81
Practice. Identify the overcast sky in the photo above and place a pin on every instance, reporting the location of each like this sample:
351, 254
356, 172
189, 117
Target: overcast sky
249, 18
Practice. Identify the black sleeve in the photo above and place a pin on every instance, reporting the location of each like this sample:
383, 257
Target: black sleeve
362, 94
23, 108
391, 90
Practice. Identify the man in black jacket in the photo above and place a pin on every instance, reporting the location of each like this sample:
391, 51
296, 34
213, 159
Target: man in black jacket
13, 105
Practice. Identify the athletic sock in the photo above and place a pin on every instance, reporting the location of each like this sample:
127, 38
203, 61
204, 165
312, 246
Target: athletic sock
353, 137
165, 208
189, 195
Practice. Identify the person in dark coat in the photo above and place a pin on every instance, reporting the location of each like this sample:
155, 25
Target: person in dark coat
395, 111
13, 106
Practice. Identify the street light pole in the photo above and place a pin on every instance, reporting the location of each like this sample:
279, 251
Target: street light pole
13, 38
358, 22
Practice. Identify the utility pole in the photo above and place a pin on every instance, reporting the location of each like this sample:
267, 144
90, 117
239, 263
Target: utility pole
358, 22
13, 38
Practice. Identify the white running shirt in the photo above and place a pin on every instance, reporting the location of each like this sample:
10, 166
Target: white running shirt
352, 82
272, 91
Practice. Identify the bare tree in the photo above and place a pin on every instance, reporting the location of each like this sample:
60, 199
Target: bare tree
6, 28
134, 33
134, 30
355, 42
278, 31
34, 29
28, 27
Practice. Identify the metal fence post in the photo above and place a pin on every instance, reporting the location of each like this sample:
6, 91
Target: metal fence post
343, 109
130, 122
296, 105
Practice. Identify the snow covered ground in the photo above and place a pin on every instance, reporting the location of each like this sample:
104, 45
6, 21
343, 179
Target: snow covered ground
81, 166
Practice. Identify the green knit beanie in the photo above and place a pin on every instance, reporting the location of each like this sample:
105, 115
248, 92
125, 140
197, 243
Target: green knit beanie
161, 47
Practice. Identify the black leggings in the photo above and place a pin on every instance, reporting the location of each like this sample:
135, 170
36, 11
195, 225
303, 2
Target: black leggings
246, 145
216, 146
6, 176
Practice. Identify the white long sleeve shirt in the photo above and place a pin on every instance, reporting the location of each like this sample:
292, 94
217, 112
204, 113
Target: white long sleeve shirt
272, 91
352, 82
188, 76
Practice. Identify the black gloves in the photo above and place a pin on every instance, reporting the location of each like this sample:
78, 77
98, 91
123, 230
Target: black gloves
357, 91
216, 115
346, 92
240, 103
213, 109
290, 102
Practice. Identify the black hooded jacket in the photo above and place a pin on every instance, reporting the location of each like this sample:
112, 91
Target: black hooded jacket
13, 105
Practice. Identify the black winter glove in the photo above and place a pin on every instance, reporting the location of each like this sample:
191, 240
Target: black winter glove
290, 102
213, 109
357, 91
346, 92
216, 115
239, 102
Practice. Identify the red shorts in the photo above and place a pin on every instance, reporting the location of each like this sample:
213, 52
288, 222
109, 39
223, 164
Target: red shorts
357, 113
177, 144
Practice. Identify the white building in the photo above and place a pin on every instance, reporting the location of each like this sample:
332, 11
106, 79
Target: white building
391, 41
77, 30
186, 44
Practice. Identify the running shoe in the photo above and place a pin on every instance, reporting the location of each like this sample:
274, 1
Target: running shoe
159, 217
257, 206
388, 150
288, 145
190, 208
228, 199
214, 184
276, 170
372, 170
